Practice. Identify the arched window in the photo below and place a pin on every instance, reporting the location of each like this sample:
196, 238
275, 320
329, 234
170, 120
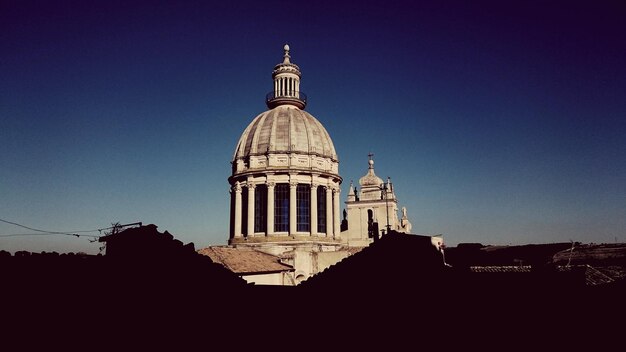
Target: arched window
303, 210
321, 209
281, 207
244, 212
260, 208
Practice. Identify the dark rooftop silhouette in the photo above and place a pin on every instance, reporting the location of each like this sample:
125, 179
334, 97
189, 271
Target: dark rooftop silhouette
397, 287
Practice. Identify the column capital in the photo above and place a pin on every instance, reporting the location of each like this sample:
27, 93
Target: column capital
336, 190
270, 184
293, 184
251, 185
314, 185
236, 187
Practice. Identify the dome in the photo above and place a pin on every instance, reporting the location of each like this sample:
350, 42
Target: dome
370, 179
285, 129
285, 138
285, 183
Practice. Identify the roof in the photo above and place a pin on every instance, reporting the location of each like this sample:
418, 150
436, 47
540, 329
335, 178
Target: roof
285, 129
244, 261
593, 276
501, 269
396, 260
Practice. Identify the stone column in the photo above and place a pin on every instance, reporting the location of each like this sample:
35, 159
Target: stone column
293, 221
329, 212
337, 217
270, 208
237, 222
251, 187
313, 221
293, 215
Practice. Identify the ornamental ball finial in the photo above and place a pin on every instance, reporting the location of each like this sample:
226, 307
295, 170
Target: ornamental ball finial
286, 47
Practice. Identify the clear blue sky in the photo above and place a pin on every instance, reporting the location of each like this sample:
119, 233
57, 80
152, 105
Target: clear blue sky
498, 121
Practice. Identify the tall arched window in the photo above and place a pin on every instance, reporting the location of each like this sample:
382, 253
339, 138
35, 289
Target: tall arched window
281, 207
260, 208
321, 209
244, 212
303, 209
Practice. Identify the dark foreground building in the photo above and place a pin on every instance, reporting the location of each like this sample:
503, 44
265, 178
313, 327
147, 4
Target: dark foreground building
150, 289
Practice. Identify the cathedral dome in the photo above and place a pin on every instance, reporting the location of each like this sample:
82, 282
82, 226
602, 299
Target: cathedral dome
285, 183
285, 138
285, 129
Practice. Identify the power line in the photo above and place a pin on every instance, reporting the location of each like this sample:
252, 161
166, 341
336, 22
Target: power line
46, 234
67, 233
56, 232
52, 232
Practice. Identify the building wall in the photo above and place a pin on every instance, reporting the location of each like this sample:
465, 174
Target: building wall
324, 260
265, 279
307, 258
357, 215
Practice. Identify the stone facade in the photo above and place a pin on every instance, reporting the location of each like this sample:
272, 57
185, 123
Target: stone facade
285, 171
285, 189
372, 211
285, 183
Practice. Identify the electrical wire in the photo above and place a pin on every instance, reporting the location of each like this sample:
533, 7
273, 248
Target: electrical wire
51, 232
67, 233
46, 232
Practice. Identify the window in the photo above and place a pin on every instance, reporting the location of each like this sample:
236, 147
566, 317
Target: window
244, 212
260, 208
303, 209
321, 209
281, 208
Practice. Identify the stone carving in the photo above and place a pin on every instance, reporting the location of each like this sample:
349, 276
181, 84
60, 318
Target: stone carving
405, 224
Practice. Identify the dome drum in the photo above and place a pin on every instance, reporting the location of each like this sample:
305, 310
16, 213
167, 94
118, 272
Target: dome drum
280, 161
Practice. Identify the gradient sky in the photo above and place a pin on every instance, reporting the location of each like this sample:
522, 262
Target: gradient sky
500, 122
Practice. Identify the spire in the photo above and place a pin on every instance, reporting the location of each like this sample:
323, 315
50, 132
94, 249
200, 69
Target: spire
286, 91
286, 57
351, 192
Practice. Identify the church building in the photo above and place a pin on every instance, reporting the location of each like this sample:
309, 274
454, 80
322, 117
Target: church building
372, 211
285, 191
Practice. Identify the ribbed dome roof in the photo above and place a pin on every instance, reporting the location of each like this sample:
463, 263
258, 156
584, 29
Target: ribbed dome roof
285, 129
370, 179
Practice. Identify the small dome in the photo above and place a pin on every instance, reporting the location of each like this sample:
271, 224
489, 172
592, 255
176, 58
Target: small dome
370, 179
285, 129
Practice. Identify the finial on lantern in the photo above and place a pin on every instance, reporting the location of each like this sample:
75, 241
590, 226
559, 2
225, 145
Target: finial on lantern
286, 56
